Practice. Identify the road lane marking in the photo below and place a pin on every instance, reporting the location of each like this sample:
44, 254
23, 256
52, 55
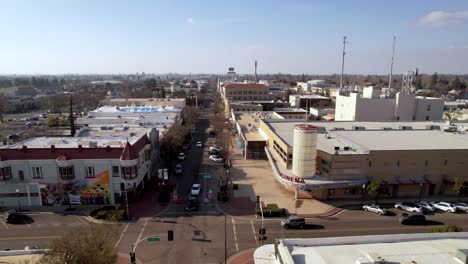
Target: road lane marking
81, 220
235, 233
4, 224
141, 233
23, 238
254, 233
121, 235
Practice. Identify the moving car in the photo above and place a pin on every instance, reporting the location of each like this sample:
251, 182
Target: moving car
199, 144
426, 206
216, 158
444, 206
293, 222
460, 206
195, 189
374, 208
411, 219
179, 169
192, 206
181, 156
409, 207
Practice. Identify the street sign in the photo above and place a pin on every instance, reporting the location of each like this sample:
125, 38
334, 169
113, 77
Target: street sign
153, 239
207, 176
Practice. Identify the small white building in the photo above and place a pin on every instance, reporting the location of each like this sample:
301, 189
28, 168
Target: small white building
371, 107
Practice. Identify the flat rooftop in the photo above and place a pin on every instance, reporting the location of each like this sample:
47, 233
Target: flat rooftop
137, 109
310, 96
374, 137
404, 248
113, 132
73, 142
249, 123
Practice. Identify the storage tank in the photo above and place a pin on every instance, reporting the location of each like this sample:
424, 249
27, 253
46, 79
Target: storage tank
304, 150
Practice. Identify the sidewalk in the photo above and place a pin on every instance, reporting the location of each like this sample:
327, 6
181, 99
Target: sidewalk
256, 178
242, 257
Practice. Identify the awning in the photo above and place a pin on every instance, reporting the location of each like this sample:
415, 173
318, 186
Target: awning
406, 182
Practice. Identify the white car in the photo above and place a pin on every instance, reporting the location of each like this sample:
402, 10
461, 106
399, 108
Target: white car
215, 148
179, 169
199, 144
374, 208
460, 206
195, 189
181, 156
409, 207
216, 158
425, 206
444, 206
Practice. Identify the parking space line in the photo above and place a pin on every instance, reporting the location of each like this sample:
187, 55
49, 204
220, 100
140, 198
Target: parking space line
235, 233
4, 223
122, 234
141, 233
254, 233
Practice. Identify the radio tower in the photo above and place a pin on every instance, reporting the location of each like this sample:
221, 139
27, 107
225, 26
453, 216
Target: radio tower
342, 62
255, 70
391, 65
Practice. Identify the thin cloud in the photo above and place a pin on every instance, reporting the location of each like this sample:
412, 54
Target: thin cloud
191, 21
441, 18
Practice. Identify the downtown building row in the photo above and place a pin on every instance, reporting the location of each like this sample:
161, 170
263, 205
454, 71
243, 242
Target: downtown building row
114, 153
328, 160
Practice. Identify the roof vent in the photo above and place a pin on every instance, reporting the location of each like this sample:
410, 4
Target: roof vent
337, 148
387, 128
25, 148
405, 127
52, 147
359, 128
80, 148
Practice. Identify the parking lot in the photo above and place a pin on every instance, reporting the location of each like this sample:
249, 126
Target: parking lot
44, 228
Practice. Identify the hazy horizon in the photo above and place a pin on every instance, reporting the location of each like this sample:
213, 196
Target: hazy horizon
293, 37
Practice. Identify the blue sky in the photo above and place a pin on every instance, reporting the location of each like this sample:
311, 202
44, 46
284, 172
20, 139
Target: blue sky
208, 36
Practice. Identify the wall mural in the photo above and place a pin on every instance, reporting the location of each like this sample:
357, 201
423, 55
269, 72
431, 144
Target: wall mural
85, 191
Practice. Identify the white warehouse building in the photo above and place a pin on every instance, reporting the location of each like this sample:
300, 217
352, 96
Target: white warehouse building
371, 107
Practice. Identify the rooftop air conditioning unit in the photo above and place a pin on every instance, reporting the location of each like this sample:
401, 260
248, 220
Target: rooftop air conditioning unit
405, 127
450, 129
346, 148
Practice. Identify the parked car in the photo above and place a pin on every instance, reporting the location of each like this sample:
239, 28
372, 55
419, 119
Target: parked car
216, 158
426, 206
18, 219
215, 152
409, 207
374, 208
444, 206
179, 169
195, 189
293, 222
411, 219
215, 148
460, 206
199, 144
181, 156
192, 206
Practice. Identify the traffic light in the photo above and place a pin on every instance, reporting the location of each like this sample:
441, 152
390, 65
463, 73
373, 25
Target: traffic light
170, 235
262, 231
258, 199
262, 238
132, 257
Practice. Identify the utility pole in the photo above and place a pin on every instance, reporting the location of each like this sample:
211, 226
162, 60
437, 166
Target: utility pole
342, 62
391, 65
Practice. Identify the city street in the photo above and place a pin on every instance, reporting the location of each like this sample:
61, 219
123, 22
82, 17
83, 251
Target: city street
207, 236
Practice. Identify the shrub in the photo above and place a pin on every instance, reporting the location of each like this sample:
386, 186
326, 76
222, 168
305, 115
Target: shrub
449, 228
111, 215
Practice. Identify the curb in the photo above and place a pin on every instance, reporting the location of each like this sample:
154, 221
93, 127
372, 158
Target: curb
238, 254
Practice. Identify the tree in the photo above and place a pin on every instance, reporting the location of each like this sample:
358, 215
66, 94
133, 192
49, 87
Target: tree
72, 120
374, 189
460, 186
57, 103
434, 79
90, 244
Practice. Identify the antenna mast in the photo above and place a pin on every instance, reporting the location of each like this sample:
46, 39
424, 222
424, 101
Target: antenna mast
391, 66
342, 62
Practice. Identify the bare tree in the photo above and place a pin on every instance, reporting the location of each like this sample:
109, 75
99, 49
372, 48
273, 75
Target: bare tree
90, 244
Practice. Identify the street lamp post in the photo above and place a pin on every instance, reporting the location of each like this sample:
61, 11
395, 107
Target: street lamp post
17, 197
420, 191
362, 196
